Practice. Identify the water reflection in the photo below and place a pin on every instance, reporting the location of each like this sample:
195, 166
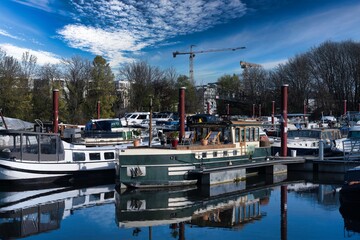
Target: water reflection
350, 210
144, 208
224, 206
178, 211
28, 212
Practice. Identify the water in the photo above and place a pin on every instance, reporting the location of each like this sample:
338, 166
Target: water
244, 210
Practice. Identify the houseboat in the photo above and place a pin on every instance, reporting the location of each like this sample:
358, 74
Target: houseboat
106, 131
212, 151
306, 141
33, 157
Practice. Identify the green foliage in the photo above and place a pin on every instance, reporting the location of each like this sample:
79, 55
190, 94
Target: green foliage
324, 76
192, 103
100, 88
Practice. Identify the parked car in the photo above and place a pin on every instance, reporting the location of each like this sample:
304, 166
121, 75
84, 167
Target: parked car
135, 118
328, 119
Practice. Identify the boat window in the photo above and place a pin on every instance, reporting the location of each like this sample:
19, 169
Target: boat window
94, 197
204, 154
225, 153
109, 155
78, 156
251, 134
256, 134
354, 134
247, 134
94, 156
237, 134
242, 136
235, 152
214, 154
80, 200
109, 195
116, 124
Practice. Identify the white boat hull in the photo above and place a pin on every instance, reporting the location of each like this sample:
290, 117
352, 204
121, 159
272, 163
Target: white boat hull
17, 171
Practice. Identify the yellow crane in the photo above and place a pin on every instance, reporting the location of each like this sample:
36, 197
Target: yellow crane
248, 65
192, 55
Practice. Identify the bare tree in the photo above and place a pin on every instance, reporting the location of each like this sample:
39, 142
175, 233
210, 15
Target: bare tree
77, 73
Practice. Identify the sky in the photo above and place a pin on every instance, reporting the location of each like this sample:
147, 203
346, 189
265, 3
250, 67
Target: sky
124, 31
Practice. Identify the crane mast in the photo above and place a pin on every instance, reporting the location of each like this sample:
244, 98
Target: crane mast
192, 55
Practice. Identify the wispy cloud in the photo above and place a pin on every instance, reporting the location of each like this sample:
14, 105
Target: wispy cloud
6, 34
116, 29
43, 57
40, 4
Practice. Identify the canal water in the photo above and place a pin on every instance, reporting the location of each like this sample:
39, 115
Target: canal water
292, 207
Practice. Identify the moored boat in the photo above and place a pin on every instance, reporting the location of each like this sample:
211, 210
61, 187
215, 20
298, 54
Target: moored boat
350, 144
230, 145
306, 141
32, 158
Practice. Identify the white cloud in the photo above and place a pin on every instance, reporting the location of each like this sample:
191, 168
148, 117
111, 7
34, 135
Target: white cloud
40, 4
117, 29
102, 42
43, 57
273, 64
6, 34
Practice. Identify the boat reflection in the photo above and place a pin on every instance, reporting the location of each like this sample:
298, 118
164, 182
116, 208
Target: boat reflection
35, 211
193, 206
350, 209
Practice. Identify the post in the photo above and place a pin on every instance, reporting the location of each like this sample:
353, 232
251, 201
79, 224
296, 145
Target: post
253, 110
284, 100
273, 113
208, 107
228, 109
259, 110
321, 149
182, 112
55, 110
3, 119
344, 107
150, 123
305, 111
98, 109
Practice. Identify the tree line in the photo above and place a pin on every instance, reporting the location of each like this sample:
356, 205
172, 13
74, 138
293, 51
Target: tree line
320, 79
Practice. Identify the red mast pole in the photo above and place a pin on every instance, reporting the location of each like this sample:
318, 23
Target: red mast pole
284, 100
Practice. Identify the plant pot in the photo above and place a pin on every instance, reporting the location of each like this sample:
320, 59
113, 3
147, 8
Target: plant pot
204, 142
174, 143
136, 142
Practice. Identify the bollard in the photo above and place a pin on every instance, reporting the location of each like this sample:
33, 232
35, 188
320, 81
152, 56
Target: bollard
321, 149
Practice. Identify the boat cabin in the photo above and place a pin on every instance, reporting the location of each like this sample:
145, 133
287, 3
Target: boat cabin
32, 146
245, 135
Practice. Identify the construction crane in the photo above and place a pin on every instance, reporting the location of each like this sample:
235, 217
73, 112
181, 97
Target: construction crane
192, 55
248, 65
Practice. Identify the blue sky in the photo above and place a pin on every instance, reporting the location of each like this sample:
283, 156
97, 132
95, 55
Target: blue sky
126, 30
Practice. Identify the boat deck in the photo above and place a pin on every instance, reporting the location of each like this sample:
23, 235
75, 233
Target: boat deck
189, 147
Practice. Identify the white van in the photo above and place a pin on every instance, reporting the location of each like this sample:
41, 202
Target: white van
134, 119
